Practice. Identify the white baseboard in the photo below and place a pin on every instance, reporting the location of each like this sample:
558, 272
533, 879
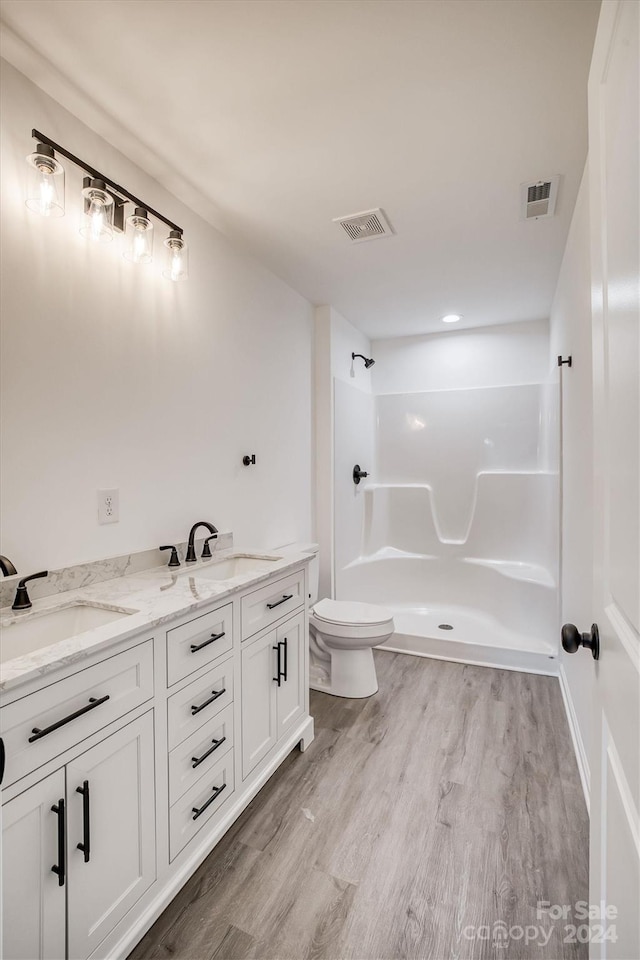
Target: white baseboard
576, 737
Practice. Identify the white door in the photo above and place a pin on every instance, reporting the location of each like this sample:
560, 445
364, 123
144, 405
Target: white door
33, 896
115, 820
259, 680
614, 199
290, 693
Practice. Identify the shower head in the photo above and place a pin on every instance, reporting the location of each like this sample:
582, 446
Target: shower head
367, 363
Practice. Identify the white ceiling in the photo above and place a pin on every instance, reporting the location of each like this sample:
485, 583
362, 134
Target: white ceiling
284, 114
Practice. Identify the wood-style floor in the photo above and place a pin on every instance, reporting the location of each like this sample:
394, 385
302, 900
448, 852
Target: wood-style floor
424, 822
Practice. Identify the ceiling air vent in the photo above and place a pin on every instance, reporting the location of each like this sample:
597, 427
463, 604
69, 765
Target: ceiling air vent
368, 225
538, 200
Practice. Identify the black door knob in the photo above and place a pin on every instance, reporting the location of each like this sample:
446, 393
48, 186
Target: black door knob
572, 639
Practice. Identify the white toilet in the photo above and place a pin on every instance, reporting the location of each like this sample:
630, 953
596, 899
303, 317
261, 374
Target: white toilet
342, 635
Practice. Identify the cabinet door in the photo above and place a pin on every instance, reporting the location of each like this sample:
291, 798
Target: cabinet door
116, 820
290, 693
33, 901
258, 700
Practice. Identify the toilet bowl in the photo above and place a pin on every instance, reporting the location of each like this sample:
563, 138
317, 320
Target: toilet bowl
342, 635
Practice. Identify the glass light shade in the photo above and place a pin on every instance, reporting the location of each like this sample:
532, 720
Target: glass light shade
97, 221
45, 186
138, 237
177, 260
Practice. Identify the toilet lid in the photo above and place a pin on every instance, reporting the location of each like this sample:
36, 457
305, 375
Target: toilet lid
351, 611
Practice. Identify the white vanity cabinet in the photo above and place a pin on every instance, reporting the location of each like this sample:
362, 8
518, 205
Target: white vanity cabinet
103, 801
110, 810
273, 689
124, 771
58, 729
33, 901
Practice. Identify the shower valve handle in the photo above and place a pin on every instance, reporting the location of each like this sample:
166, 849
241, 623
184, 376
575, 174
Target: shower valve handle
358, 474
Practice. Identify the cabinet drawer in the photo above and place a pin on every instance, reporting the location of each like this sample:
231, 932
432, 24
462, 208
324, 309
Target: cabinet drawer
199, 753
198, 702
263, 607
198, 642
199, 804
72, 709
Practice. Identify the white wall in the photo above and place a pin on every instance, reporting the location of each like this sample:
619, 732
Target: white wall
458, 359
354, 443
115, 377
335, 340
571, 334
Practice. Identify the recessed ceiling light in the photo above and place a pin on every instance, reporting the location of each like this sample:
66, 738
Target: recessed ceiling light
451, 318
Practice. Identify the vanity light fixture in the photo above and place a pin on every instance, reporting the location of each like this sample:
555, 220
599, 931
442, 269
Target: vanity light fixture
139, 237
104, 202
452, 318
45, 187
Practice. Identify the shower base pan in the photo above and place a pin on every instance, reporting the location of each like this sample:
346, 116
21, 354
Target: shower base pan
467, 635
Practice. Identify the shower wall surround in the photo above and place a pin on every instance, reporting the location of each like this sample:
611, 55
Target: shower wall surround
456, 529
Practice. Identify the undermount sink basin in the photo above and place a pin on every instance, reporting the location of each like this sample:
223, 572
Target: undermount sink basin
44, 629
233, 566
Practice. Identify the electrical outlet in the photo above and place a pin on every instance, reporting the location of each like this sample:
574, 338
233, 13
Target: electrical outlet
108, 506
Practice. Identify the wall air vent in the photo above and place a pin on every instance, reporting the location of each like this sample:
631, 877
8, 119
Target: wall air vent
368, 225
538, 199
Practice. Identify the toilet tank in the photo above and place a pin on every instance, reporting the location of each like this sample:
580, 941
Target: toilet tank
314, 566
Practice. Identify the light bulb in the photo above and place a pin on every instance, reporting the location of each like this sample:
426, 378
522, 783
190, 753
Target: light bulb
97, 222
46, 193
96, 217
138, 237
45, 189
177, 267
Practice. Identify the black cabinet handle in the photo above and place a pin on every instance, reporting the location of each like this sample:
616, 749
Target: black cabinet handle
196, 761
60, 867
572, 639
286, 596
215, 695
196, 811
284, 673
199, 646
85, 846
93, 703
2, 759
278, 668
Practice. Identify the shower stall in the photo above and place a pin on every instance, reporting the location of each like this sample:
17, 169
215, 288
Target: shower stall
456, 528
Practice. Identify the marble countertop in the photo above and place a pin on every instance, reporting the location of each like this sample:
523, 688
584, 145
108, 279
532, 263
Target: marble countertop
146, 599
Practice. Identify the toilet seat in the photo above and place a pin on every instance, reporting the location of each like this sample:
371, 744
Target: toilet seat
351, 613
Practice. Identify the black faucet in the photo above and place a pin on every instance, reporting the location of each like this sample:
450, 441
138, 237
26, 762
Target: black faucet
22, 601
191, 549
7, 567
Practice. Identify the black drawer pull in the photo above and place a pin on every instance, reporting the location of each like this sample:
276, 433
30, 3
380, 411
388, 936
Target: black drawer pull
198, 646
286, 596
278, 669
93, 703
196, 761
216, 793
216, 694
60, 867
85, 846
